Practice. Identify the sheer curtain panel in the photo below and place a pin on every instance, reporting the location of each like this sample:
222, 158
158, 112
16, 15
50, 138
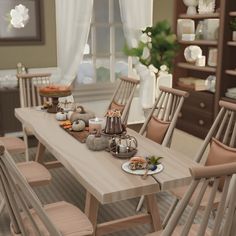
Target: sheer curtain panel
73, 20
136, 15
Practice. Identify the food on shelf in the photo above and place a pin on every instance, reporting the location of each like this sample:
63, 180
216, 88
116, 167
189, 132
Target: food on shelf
138, 163
55, 91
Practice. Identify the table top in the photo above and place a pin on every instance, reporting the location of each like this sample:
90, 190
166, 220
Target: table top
99, 172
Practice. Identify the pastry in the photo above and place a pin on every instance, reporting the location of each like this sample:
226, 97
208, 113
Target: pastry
55, 90
137, 163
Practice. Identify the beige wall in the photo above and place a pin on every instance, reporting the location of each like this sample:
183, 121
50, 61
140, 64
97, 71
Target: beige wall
163, 10
34, 56
39, 56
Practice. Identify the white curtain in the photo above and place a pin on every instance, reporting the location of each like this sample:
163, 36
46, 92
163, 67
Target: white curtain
136, 15
73, 20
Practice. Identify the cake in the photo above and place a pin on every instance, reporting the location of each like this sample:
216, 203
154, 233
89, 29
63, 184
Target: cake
113, 122
55, 91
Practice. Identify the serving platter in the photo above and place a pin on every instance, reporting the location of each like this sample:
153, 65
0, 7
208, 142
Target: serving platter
125, 167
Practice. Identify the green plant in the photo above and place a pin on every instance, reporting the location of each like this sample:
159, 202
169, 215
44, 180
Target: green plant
233, 24
157, 47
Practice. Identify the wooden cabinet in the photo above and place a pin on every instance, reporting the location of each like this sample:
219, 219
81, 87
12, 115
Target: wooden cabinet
9, 100
201, 108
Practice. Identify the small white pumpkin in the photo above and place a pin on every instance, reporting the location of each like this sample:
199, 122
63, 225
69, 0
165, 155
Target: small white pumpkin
78, 125
61, 115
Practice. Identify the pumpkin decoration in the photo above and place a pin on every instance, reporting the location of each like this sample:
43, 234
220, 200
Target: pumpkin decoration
97, 142
81, 114
61, 115
78, 125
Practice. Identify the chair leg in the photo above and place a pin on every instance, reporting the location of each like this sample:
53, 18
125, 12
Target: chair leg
2, 203
169, 213
26, 145
140, 203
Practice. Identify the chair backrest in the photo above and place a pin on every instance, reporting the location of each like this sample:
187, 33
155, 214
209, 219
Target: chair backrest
29, 88
19, 198
166, 109
122, 97
223, 128
225, 217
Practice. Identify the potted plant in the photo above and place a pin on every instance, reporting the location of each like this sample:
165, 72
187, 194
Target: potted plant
233, 28
157, 46
153, 58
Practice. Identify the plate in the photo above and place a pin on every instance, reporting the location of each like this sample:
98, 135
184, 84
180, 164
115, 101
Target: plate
125, 167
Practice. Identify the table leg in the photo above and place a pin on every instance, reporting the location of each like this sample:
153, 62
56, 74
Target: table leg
153, 210
40, 153
91, 209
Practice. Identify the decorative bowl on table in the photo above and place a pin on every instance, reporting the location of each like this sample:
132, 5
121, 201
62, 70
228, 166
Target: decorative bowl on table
123, 146
54, 92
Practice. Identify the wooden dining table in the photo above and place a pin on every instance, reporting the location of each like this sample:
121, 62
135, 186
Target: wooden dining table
101, 174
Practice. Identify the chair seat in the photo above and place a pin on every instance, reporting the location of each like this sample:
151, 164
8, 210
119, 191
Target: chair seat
193, 231
179, 193
13, 145
68, 219
35, 173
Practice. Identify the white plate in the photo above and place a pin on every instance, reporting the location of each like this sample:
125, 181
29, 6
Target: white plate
126, 168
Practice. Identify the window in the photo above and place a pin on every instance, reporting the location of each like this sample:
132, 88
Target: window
104, 60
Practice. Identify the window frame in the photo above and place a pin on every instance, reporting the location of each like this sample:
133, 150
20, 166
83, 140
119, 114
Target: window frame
87, 91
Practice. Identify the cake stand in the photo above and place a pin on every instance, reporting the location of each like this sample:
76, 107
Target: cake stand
54, 97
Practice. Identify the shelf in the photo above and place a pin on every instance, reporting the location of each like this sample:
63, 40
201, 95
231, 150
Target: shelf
232, 13
232, 43
228, 99
231, 72
199, 42
200, 16
198, 68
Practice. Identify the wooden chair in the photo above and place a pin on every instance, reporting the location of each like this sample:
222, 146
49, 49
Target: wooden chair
35, 173
221, 138
28, 216
123, 96
161, 121
223, 223
29, 96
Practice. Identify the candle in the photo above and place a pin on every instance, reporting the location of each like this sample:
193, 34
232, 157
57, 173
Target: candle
95, 124
122, 148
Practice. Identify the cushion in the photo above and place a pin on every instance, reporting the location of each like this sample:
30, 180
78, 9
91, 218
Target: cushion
156, 129
67, 218
220, 154
13, 145
116, 106
34, 173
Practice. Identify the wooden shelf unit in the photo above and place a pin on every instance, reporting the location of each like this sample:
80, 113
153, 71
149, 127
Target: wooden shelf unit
199, 42
189, 66
230, 72
193, 113
232, 43
199, 16
232, 13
